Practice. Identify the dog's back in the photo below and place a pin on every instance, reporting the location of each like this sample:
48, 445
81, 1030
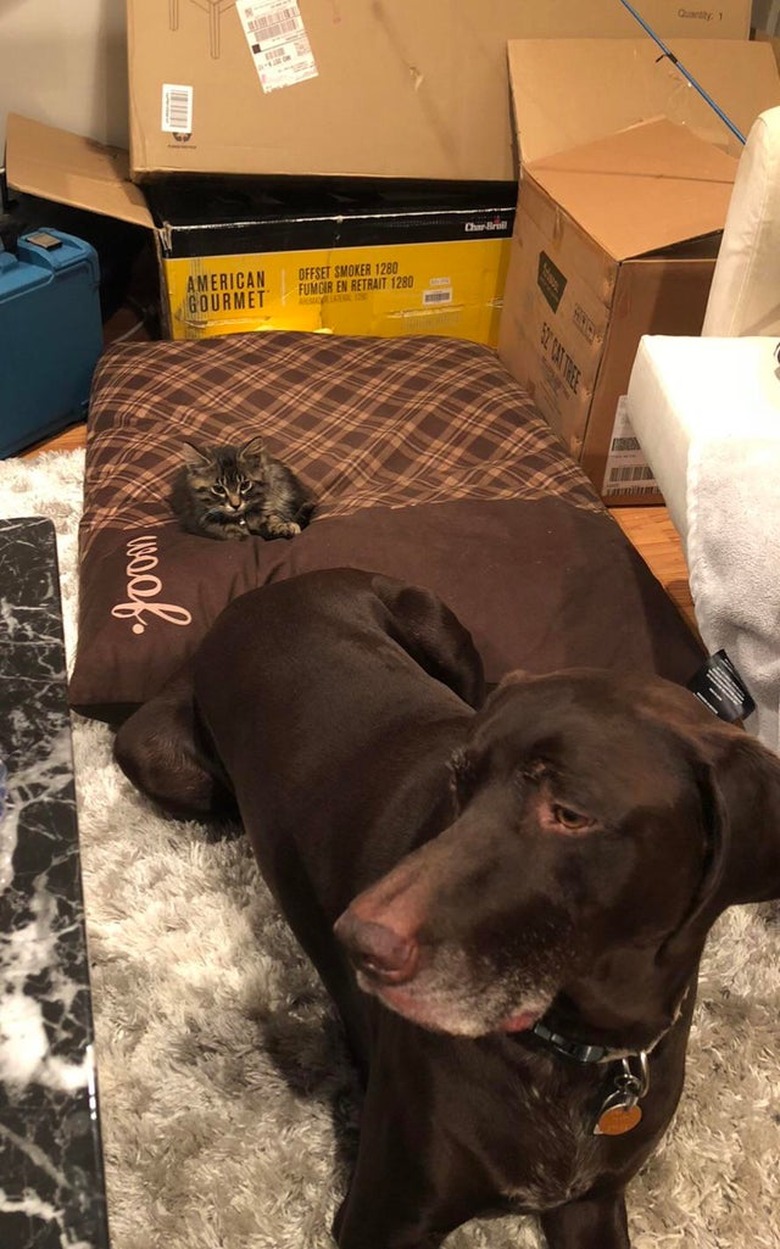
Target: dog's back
374, 665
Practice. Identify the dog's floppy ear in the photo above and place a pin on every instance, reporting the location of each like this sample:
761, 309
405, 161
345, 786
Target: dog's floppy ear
746, 785
432, 634
739, 781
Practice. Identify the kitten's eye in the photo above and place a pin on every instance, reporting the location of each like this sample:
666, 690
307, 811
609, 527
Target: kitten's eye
219, 491
245, 487
572, 821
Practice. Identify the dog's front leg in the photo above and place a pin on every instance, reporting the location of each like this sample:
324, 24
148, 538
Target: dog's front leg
386, 1206
393, 1209
409, 1188
595, 1222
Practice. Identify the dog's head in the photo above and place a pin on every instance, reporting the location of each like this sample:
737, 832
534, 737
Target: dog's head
601, 824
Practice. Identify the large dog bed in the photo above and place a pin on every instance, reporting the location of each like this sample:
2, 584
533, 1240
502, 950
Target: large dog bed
428, 463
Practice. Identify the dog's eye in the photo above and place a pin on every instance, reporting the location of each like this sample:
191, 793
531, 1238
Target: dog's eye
572, 821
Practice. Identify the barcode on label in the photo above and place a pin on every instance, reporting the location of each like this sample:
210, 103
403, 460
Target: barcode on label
625, 444
176, 108
276, 56
275, 25
635, 472
635, 490
437, 297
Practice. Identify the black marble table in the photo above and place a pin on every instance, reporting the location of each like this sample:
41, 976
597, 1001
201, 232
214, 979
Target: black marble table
52, 1191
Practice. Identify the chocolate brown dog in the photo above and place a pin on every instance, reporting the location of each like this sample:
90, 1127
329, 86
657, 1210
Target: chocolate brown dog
524, 890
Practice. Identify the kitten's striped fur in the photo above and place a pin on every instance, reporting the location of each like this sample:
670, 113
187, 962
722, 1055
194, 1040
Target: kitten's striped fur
233, 491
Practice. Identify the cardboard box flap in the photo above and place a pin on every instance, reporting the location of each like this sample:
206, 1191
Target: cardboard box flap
569, 92
69, 169
642, 189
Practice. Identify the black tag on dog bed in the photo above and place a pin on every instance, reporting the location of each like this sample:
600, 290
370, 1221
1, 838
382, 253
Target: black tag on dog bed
720, 687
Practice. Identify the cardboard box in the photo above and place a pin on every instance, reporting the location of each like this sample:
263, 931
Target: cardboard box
254, 254
626, 179
385, 259
364, 88
774, 42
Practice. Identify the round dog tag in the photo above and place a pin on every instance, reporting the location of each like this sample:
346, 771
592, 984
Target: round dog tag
617, 1118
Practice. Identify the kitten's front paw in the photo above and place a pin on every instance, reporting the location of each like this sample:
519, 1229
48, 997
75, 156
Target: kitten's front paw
282, 528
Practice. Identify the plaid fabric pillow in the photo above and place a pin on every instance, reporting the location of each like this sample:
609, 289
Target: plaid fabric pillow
427, 462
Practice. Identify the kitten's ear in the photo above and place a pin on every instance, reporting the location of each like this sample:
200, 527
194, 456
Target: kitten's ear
195, 455
254, 446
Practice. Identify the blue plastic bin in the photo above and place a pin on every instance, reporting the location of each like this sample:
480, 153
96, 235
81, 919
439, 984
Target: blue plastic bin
50, 335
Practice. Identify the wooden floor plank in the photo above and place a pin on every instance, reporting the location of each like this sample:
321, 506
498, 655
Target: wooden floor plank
655, 537
71, 438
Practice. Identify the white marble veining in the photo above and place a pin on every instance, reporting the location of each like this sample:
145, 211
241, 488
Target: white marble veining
51, 1166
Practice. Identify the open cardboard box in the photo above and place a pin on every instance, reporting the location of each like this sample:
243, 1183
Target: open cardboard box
361, 88
626, 176
380, 257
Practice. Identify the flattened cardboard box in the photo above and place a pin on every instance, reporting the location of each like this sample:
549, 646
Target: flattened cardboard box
352, 87
626, 179
254, 254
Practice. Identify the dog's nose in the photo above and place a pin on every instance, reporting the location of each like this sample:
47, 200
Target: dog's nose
378, 951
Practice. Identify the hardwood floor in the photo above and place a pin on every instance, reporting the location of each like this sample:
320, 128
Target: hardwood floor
68, 440
657, 540
649, 528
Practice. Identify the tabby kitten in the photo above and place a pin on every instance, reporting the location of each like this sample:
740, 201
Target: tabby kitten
231, 492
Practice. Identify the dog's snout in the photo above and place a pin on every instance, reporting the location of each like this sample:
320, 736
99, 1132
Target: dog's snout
382, 954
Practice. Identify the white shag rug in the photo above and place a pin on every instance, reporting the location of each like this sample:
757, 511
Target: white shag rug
227, 1105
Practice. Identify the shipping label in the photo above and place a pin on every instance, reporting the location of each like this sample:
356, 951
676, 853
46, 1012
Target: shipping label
627, 470
278, 42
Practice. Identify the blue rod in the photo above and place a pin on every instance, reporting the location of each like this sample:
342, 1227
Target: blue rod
685, 73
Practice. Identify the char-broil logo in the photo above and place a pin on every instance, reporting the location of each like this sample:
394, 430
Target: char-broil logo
498, 225
551, 281
144, 588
